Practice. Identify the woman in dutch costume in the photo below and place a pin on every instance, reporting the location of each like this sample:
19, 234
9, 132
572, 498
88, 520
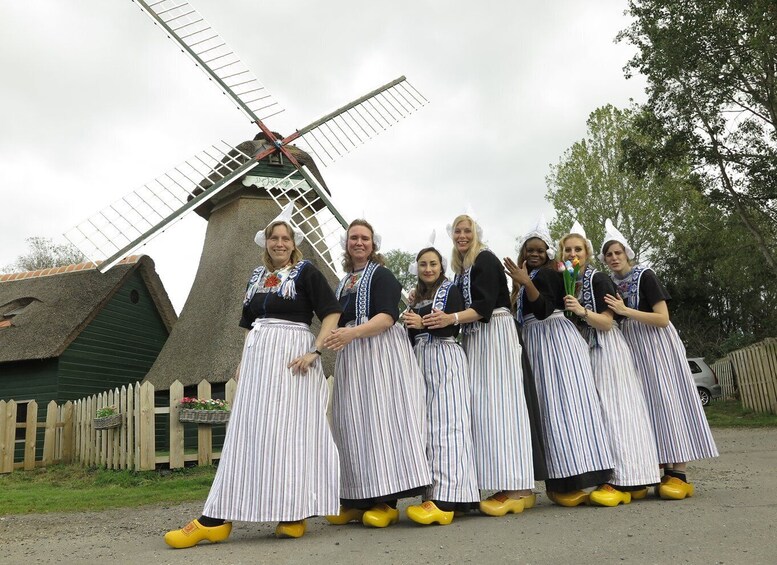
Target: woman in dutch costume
500, 423
279, 461
680, 426
444, 366
620, 387
577, 450
378, 411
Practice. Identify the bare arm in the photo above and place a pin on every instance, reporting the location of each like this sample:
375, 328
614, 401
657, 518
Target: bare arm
520, 277
303, 362
340, 337
659, 317
601, 321
438, 319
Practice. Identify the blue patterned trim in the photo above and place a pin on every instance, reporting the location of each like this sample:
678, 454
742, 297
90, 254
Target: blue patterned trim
362, 292
440, 299
628, 286
521, 294
253, 285
586, 296
464, 282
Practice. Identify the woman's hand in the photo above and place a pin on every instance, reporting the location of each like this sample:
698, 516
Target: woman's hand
339, 338
413, 320
571, 304
302, 363
437, 319
616, 304
520, 275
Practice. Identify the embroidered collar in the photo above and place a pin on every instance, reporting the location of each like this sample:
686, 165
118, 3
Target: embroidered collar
628, 286
363, 289
281, 282
521, 295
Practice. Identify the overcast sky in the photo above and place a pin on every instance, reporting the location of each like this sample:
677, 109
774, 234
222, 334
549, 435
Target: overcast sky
96, 101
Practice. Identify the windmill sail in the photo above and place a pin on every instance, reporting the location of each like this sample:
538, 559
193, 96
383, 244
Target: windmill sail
189, 30
351, 125
130, 222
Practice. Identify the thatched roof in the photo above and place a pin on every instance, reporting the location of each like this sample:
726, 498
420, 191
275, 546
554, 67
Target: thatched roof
53, 306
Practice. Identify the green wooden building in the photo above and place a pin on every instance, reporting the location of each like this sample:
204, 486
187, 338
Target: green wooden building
70, 332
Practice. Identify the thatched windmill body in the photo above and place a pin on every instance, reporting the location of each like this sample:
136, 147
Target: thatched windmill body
238, 190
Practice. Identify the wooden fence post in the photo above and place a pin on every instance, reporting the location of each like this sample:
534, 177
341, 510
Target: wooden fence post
8, 437
131, 425
146, 430
68, 432
30, 435
50, 434
204, 432
176, 427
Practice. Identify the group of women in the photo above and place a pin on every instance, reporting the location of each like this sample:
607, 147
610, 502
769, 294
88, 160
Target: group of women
580, 387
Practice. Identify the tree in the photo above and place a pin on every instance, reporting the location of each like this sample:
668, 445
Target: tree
590, 184
43, 254
397, 262
711, 67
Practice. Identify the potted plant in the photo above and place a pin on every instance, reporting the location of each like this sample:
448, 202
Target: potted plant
203, 410
106, 418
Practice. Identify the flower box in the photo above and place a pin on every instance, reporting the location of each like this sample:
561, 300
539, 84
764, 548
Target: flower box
107, 422
199, 416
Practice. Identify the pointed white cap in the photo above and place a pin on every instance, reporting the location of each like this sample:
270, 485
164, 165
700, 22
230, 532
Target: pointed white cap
285, 217
611, 233
540, 231
412, 268
578, 229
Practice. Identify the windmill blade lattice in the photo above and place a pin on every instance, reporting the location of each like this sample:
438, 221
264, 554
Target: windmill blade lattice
348, 127
130, 222
314, 215
189, 30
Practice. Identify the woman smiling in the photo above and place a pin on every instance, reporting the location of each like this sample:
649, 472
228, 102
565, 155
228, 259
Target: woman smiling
444, 365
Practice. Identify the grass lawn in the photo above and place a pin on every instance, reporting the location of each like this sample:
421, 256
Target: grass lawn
730, 414
73, 488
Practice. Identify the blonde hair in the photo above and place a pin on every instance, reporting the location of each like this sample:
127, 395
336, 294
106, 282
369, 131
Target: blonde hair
563, 242
296, 254
374, 255
459, 261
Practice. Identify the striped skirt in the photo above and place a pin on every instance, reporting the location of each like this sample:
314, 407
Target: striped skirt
279, 461
379, 417
681, 429
575, 437
449, 434
500, 421
625, 411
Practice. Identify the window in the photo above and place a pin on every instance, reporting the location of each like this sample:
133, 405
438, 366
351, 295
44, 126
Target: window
275, 159
694, 367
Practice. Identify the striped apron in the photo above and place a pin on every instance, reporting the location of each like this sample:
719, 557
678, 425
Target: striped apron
576, 440
449, 435
379, 417
681, 429
624, 410
279, 461
500, 420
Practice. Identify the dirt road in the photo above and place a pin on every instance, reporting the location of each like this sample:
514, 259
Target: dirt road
732, 519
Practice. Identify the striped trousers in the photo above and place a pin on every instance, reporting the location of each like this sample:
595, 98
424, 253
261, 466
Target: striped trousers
279, 461
379, 417
624, 410
449, 435
576, 440
500, 420
680, 425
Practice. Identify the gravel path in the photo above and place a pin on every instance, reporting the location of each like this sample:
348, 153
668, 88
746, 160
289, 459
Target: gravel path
730, 520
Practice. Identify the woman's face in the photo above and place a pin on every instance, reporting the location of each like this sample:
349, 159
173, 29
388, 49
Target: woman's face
429, 267
359, 246
616, 259
462, 236
536, 253
280, 245
574, 246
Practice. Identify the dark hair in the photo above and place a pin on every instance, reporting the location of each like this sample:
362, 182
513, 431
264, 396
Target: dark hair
608, 244
374, 255
521, 259
424, 291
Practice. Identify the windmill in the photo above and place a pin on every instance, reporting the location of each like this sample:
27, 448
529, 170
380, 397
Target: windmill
238, 189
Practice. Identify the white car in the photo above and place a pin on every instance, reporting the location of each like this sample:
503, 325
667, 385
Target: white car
706, 380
